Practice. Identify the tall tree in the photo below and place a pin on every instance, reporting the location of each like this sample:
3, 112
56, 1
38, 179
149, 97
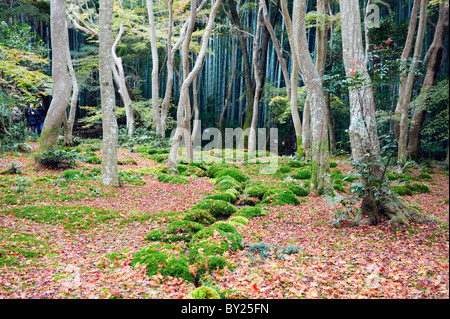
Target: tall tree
62, 82
378, 199
403, 104
435, 59
109, 121
313, 84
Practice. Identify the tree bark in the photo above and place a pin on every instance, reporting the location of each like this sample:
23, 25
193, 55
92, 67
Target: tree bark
109, 121
435, 59
184, 92
68, 125
230, 83
313, 83
378, 200
406, 99
155, 67
61, 78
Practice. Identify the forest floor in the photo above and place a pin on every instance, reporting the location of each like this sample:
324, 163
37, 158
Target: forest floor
74, 238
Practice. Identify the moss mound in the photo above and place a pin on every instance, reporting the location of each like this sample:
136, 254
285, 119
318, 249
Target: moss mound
280, 197
235, 173
180, 230
297, 189
240, 220
255, 189
411, 189
203, 293
200, 216
302, 174
225, 196
218, 208
166, 259
172, 179
251, 212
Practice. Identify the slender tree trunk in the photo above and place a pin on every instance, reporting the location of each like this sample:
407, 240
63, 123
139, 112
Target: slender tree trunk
378, 201
109, 121
230, 83
435, 59
68, 125
258, 89
184, 92
294, 80
319, 144
61, 78
404, 102
405, 54
155, 67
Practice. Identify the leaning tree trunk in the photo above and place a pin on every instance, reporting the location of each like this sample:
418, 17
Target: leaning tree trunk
109, 121
435, 60
320, 165
62, 85
363, 131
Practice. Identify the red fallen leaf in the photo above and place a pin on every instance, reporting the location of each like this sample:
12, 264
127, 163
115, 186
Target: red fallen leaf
254, 287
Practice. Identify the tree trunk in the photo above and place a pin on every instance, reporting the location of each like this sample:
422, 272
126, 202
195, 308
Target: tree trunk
155, 67
184, 92
109, 121
68, 125
404, 102
404, 57
294, 80
435, 59
319, 144
258, 89
61, 78
378, 200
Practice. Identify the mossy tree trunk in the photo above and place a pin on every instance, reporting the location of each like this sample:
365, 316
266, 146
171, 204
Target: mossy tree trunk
62, 83
378, 200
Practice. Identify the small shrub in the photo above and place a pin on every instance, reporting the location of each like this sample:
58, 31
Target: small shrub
57, 158
251, 212
217, 208
200, 216
203, 293
280, 197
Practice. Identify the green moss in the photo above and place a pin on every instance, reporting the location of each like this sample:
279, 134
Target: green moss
218, 208
285, 169
225, 196
203, 293
240, 219
172, 179
73, 174
333, 164
165, 259
228, 183
235, 173
424, 176
255, 189
410, 189
93, 160
302, 174
297, 189
200, 216
296, 163
215, 168
251, 212
180, 230
280, 197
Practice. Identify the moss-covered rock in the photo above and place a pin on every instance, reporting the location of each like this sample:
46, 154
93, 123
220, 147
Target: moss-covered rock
227, 182
423, 177
172, 179
251, 212
240, 219
166, 259
302, 174
200, 216
279, 196
180, 230
218, 208
193, 170
410, 189
203, 293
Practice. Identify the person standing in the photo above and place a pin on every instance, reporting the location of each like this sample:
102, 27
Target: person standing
32, 118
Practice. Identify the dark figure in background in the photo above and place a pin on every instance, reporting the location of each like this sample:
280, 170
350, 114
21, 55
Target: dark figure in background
42, 113
34, 119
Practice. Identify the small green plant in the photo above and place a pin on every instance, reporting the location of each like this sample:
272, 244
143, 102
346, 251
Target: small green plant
57, 158
203, 293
